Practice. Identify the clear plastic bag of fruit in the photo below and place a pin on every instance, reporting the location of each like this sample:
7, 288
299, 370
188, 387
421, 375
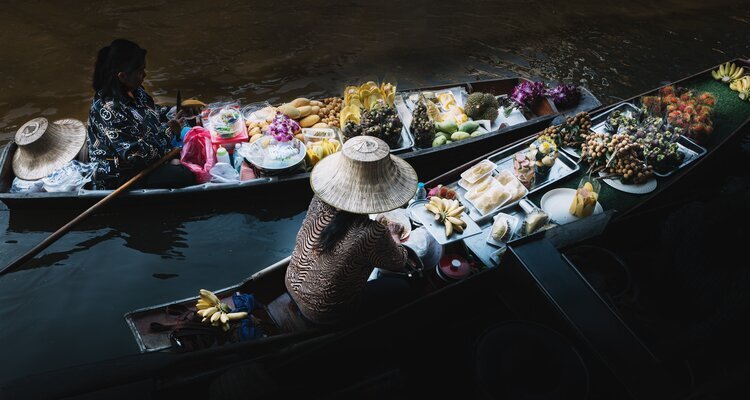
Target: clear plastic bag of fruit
585, 197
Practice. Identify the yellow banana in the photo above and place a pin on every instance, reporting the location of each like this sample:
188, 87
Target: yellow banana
456, 221
207, 312
742, 86
431, 208
456, 212
728, 72
224, 319
215, 317
202, 304
448, 229
210, 296
236, 315
458, 228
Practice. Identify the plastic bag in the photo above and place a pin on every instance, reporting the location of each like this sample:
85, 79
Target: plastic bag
425, 245
224, 173
23, 186
69, 178
197, 153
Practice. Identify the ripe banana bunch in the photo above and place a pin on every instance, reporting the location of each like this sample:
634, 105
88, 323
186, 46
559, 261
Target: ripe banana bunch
728, 72
215, 312
743, 86
448, 212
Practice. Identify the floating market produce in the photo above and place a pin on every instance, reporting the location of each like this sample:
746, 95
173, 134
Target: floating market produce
615, 145
242, 127
369, 110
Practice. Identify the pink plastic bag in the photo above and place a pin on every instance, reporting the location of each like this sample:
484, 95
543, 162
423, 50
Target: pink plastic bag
198, 154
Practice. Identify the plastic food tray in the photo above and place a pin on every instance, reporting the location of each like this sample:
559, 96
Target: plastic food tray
437, 230
563, 167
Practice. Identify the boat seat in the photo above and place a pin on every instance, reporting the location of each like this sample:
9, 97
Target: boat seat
286, 315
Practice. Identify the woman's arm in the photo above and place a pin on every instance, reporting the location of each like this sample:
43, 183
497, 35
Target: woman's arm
387, 254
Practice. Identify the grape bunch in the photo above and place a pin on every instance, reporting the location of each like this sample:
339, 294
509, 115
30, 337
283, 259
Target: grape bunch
571, 133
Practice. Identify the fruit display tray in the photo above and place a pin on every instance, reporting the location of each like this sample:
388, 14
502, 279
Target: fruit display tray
407, 141
689, 148
437, 230
564, 166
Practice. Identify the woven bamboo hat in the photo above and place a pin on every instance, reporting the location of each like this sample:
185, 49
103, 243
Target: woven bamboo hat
44, 147
364, 178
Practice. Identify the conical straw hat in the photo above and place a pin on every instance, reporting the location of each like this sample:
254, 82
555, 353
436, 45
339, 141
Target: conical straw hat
44, 147
364, 178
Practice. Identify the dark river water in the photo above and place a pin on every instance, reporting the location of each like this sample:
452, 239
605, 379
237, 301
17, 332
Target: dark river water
66, 307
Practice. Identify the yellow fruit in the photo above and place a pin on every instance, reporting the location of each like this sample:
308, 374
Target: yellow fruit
304, 111
290, 111
314, 110
320, 125
588, 186
309, 121
300, 137
313, 158
256, 137
299, 102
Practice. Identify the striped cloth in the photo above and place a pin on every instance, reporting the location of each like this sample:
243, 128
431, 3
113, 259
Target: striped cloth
328, 286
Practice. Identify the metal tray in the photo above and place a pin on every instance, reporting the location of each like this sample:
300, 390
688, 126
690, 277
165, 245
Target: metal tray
597, 124
564, 166
690, 149
407, 140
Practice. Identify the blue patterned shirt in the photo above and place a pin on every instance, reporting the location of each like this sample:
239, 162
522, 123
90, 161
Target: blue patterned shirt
125, 136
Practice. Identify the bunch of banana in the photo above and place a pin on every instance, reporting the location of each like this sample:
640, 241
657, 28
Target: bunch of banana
448, 212
742, 86
389, 92
728, 72
215, 312
352, 113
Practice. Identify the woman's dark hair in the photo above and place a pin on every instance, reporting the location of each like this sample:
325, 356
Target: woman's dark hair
120, 56
332, 233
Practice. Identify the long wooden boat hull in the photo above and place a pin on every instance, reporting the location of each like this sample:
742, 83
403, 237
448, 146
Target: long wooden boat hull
429, 309
428, 163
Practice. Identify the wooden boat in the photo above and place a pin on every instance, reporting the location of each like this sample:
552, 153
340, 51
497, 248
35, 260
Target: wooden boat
268, 284
427, 162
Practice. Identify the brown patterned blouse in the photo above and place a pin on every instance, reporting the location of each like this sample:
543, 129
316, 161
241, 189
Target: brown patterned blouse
328, 286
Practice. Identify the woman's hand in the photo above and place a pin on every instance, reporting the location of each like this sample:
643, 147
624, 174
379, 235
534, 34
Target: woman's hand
396, 230
175, 124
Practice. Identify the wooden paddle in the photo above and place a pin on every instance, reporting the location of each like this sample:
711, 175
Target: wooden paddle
57, 234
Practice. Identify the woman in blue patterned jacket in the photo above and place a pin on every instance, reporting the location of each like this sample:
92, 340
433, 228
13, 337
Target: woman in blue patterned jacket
126, 130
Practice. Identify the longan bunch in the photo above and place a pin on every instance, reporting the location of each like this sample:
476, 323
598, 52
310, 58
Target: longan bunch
330, 111
571, 133
617, 155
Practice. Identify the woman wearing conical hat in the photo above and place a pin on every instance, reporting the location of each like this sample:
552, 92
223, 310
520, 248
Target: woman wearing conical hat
127, 131
338, 245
